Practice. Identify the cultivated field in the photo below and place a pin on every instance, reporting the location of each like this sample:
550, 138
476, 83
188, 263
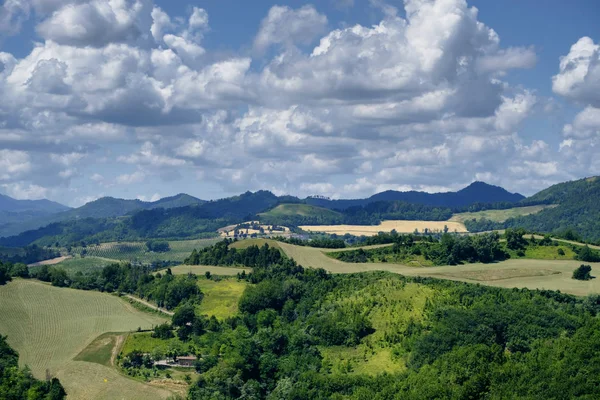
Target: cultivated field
50, 326
136, 251
401, 226
520, 273
499, 215
84, 265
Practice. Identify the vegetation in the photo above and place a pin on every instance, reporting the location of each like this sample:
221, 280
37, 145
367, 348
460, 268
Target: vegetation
577, 210
449, 250
319, 242
583, 273
48, 326
27, 254
16, 383
223, 254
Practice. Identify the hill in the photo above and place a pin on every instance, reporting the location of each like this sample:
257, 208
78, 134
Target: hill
577, 208
10, 205
175, 223
477, 192
303, 210
105, 207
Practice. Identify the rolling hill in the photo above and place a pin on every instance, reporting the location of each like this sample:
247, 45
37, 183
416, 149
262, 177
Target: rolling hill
305, 210
577, 208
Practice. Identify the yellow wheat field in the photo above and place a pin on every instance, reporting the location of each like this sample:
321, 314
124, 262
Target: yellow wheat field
401, 226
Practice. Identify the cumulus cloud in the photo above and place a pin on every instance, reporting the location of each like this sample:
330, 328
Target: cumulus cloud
579, 76
96, 23
286, 26
415, 101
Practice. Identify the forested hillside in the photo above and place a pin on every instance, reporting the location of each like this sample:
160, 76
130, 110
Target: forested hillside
578, 210
477, 192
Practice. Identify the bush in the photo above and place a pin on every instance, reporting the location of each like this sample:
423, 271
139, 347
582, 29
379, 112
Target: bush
561, 252
582, 273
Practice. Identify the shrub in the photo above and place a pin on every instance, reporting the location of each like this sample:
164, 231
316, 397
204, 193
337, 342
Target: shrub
583, 273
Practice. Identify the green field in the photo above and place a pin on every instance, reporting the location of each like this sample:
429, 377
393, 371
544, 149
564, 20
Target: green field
499, 215
519, 273
136, 251
50, 326
242, 244
220, 297
84, 265
304, 210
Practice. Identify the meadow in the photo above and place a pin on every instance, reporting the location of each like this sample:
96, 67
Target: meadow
137, 251
400, 226
50, 326
549, 273
220, 297
500, 215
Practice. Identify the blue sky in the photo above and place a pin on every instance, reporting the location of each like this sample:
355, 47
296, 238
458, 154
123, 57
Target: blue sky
345, 98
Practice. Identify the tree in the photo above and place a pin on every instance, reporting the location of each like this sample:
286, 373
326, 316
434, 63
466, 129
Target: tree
4, 274
20, 270
184, 315
582, 273
515, 239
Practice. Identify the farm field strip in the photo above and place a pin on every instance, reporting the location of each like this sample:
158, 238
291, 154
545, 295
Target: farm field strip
49, 326
400, 226
500, 215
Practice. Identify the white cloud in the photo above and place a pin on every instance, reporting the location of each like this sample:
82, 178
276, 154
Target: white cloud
287, 26
579, 76
25, 192
96, 23
13, 164
129, 179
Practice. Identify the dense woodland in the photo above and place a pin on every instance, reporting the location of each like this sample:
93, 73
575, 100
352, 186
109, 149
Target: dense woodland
578, 211
18, 383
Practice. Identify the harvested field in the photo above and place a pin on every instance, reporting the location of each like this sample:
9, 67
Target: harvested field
518, 273
50, 326
401, 226
52, 261
500, 215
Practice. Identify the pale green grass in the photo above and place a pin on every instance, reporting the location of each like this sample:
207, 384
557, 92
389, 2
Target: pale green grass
145, 343
315, 258
499, 215
245, 243
299, 209
49, 326
136, 251
84, 265
221, 297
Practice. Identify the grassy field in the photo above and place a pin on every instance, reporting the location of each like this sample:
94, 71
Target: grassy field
84, 265
519, 273
136, 251
50, 326
242, 244
499, 215
220, 297
400, 226
299, 209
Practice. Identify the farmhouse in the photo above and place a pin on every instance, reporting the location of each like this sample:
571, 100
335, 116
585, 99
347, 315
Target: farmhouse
186, 361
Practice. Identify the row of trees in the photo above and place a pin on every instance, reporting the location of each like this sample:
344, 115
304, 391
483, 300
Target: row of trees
223, 254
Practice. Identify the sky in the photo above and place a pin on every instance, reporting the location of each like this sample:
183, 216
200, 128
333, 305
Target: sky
343, 98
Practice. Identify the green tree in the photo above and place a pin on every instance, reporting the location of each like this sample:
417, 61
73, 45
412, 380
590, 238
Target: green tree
582, 273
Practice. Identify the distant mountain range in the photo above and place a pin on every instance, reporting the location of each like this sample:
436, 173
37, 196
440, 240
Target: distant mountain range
13, 222
183, 215
10, 205
477, 192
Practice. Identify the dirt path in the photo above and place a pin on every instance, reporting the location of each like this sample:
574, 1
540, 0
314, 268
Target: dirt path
150, 305
119, 339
